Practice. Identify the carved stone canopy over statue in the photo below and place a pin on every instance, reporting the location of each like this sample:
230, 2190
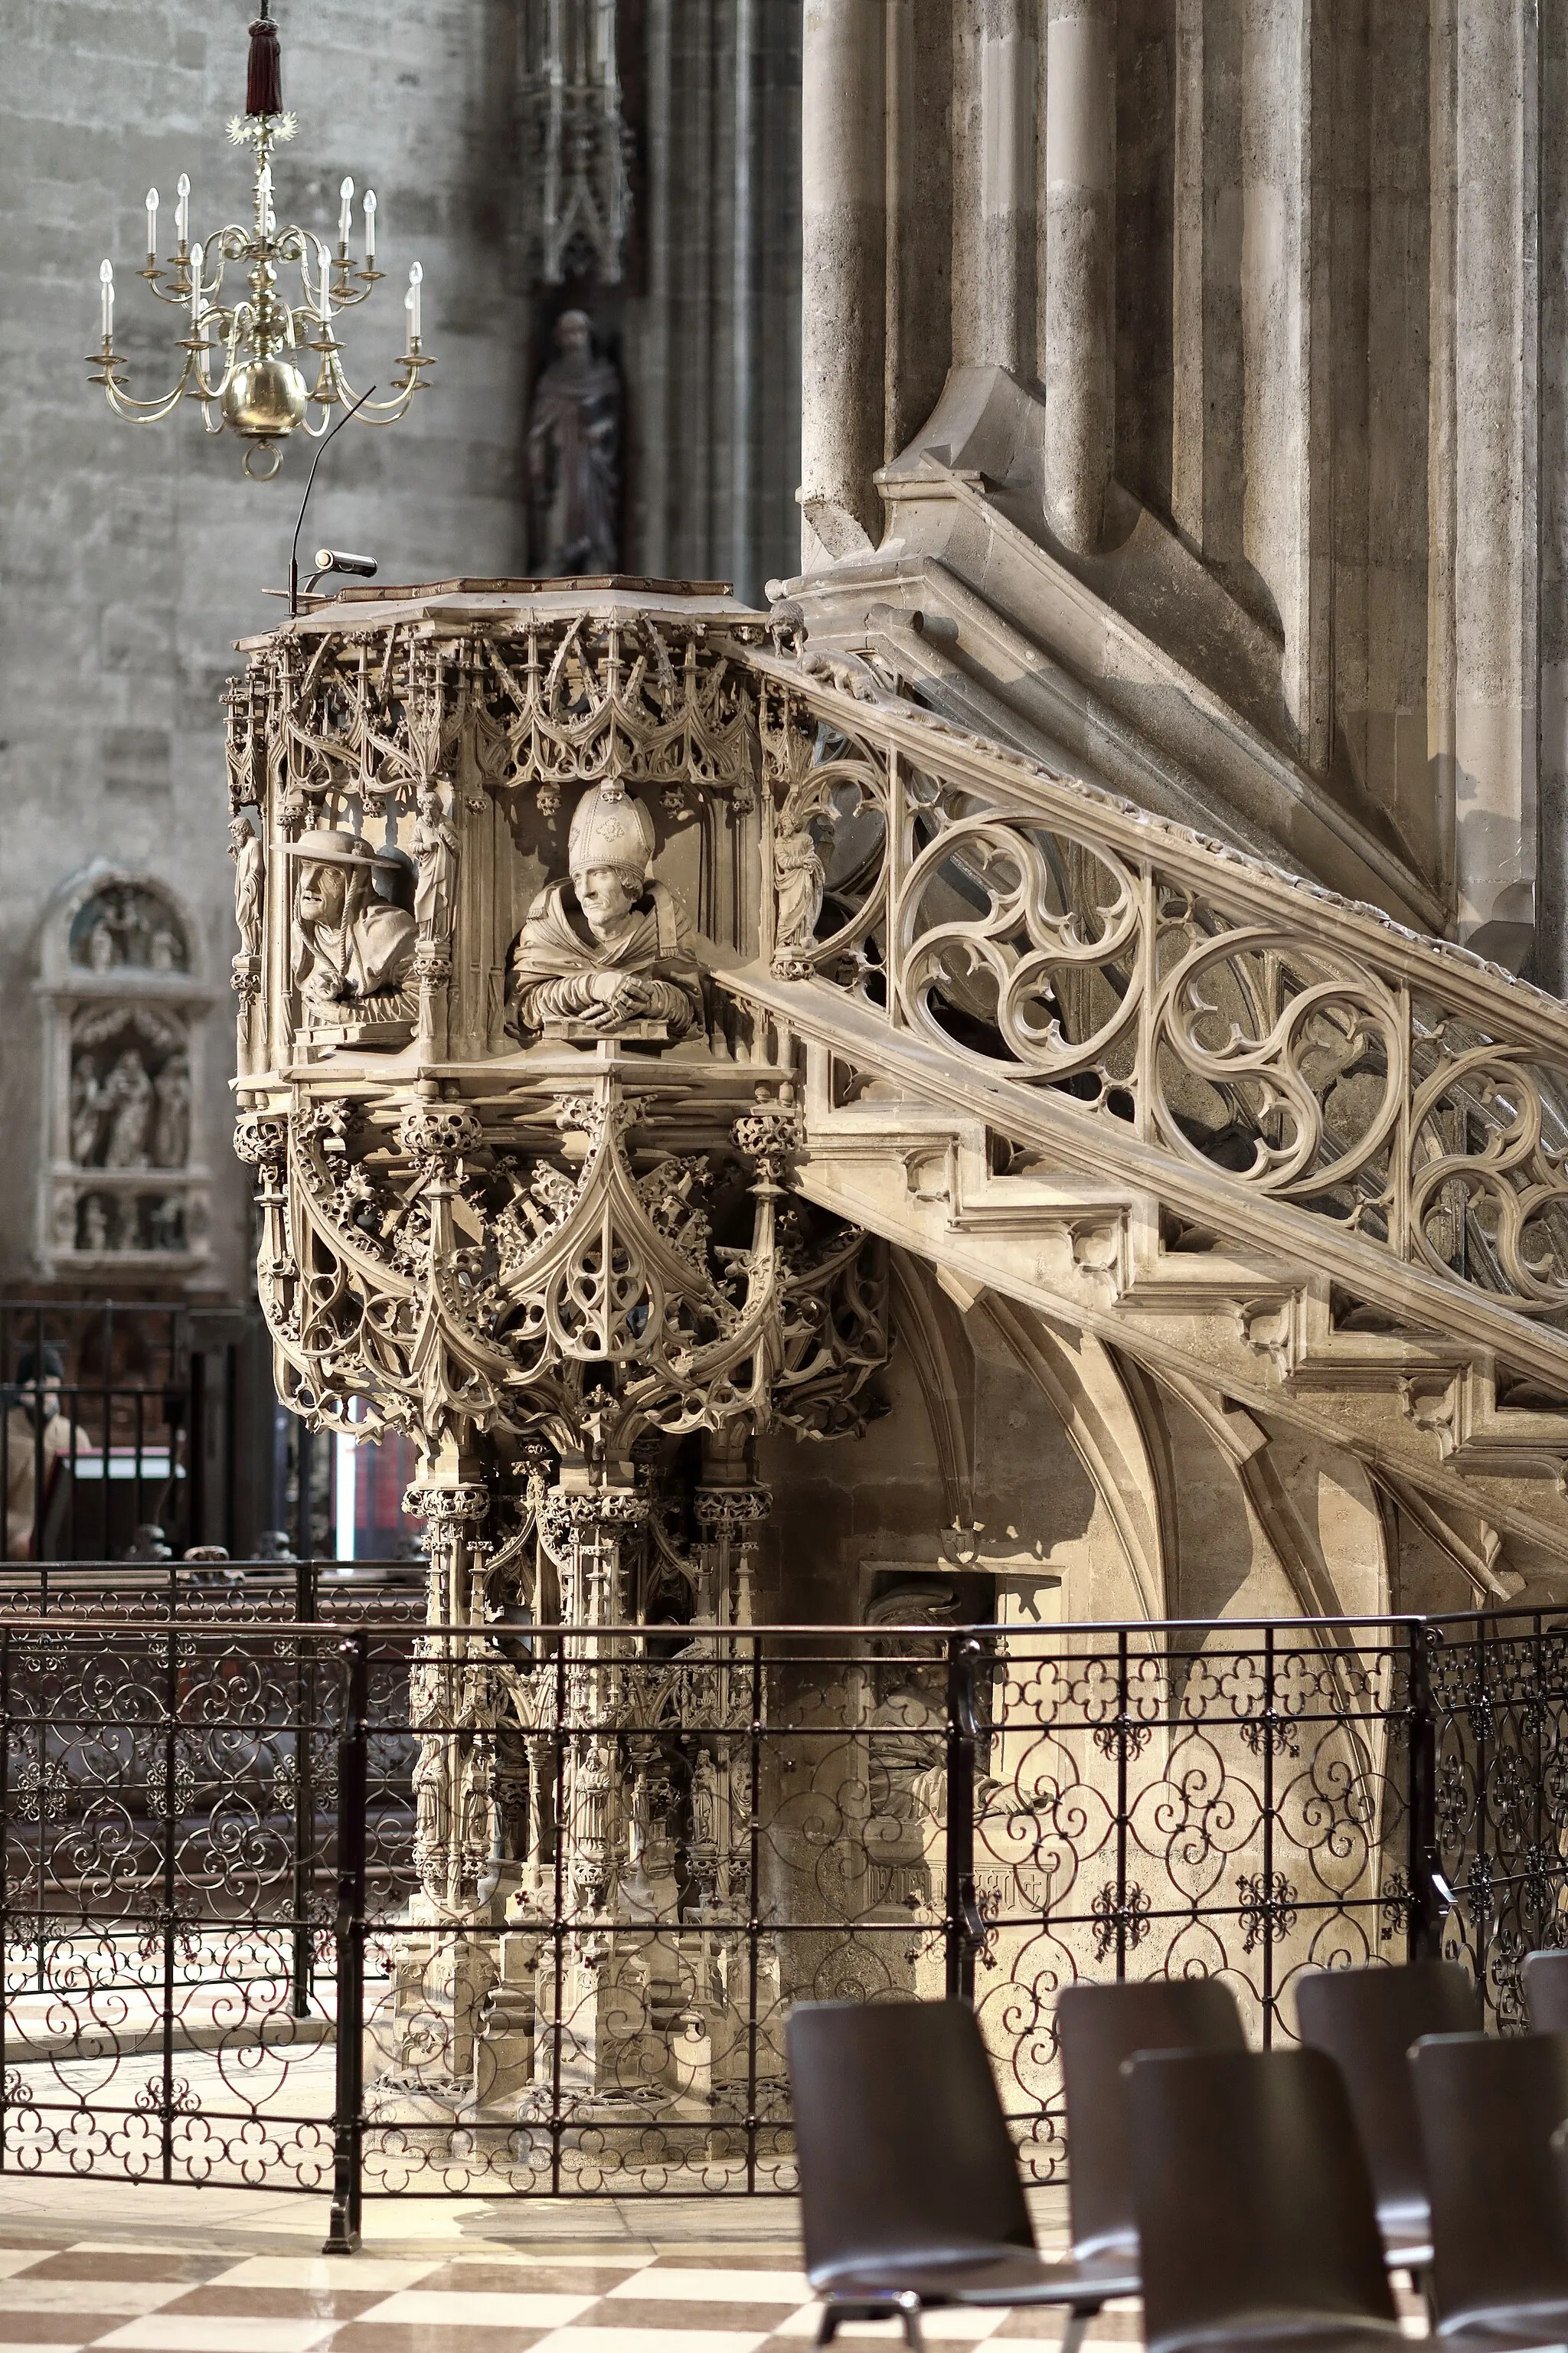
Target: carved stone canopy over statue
607, 953
573, 457
351, 947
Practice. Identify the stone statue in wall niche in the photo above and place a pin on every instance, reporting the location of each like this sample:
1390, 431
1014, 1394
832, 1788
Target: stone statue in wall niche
573, 457
351, 948
608, 952
87, 1107
128, 1099
171, 1114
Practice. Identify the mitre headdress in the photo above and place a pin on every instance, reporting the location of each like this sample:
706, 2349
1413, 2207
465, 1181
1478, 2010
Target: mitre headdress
610, 828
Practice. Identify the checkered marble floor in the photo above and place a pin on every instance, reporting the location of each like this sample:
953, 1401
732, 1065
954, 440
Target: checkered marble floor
169, 2299
170, 2273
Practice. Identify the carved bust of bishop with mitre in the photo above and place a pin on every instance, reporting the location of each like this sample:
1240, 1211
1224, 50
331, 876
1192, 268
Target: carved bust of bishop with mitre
607, 953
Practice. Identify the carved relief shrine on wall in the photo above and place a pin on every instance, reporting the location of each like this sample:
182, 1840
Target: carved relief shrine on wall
123, 1183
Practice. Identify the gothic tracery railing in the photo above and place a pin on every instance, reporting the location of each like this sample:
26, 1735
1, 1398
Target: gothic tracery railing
1241, 1021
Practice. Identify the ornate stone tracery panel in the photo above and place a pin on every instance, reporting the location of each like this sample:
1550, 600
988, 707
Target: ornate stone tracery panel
123, 1186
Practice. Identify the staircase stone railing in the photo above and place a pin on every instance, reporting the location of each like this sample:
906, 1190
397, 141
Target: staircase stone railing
1263, 1050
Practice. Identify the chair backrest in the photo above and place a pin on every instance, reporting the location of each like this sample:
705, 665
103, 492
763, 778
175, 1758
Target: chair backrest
902, 2145
1489, 2105
1098, 2027
1367, 2020
1546, 1991
1252, 2195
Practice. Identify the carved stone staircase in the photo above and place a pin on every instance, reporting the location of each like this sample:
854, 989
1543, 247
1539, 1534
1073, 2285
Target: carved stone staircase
1022, 1007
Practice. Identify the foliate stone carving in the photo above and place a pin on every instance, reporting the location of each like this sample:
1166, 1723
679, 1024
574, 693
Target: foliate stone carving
435, 1135
732, 1511
606, 953
768, 1134
261, 1138
448, 1510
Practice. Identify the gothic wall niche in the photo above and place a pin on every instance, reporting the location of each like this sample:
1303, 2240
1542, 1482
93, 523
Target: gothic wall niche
121, 1186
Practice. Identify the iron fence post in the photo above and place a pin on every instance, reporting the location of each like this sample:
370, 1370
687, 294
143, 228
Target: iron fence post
171, 1892
304, 1797
965, 1927
4, 1878
1425, 1933
344, 2233
754, 1903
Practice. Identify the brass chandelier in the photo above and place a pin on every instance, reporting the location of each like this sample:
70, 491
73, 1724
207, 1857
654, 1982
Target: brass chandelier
250, 361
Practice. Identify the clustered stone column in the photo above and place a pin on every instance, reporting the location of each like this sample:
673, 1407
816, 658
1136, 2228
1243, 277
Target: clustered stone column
1032, 267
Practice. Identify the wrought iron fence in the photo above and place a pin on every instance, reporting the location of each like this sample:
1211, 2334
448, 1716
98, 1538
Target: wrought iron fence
387, 1909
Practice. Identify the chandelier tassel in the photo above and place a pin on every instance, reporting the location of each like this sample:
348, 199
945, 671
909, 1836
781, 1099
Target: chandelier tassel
264, 75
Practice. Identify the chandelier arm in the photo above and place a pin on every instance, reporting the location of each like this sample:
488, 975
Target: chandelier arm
146, 412
227, 342
318, 304
346, 299
381, 412
179, 299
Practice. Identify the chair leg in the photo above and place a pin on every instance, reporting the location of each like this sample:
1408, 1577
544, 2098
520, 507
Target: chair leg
909, 2305
827, 2327
1077, 2320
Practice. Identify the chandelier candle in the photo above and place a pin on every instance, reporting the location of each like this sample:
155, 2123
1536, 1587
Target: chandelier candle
259, 366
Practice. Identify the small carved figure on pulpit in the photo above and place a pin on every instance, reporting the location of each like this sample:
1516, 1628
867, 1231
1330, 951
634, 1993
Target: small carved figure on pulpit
608, 952
352, 948
705, 1802
436, 856
245, 848
797, 880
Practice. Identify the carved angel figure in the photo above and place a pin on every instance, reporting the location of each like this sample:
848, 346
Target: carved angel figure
245, 848
609, 946
352, 949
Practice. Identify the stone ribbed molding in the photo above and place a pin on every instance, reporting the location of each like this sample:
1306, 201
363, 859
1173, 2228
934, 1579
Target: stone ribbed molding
1079, 309
843, 274
996, 69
